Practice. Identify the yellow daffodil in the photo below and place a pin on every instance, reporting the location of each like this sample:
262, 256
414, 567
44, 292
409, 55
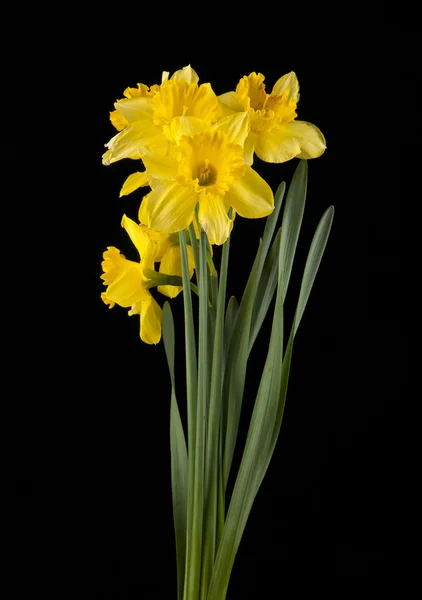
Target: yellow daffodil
206, 169
144, 116
275, 136
128, 282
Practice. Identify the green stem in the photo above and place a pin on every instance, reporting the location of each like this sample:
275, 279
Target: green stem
210, 263
157, 279
212, 475
195, 250
191, 391
193, 581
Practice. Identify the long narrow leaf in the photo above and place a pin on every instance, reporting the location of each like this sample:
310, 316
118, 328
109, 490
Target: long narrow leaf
231, 314
313, 260
213, 431
179, 456
250, 472
234, 376
237, 353
195, 249
271, 223
292, 221
267, 415
266, 288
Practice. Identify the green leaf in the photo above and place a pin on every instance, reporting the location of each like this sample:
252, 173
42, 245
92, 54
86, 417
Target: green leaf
231, 314
268, 268
272, 219
267, 414
195, 248
291, 223
179, 456
313, 260
210, 351
271, 395
266, 288
212, 464
239, 347
235, 373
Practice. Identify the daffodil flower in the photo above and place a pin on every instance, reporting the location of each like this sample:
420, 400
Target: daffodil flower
128, 282
206, 169
144, 116
275, 134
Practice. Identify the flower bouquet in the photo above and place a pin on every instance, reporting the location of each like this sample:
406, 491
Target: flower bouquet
197, 152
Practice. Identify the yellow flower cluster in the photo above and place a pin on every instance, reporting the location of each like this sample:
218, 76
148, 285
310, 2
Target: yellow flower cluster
197, 150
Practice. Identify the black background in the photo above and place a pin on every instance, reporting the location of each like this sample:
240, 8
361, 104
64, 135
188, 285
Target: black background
321, 512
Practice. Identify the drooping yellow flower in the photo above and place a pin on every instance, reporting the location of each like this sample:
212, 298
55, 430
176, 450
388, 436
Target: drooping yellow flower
144, 116
128, 282
206, 169
275, 134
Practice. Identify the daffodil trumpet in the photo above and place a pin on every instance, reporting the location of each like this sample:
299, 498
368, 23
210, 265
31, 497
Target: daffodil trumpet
197, 153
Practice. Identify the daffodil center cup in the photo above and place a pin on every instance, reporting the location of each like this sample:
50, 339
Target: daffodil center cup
205, 173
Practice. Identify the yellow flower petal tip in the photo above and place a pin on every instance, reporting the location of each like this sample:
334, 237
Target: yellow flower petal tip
134, 182
107, 301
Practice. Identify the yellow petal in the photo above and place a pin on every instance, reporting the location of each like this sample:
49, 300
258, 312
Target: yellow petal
251, 91
129, 287
133, 182
137, 235
161, 242
186, 74
112, 265
160, 167
106, 300
143, 212
311, 141
251, 196
170, 208
276, 145
118, 120
151, 317
178, 98
230, 103
134, 109
181, 126
288, 85
191, 260
249, 147
134, 139
154, 181
171, 264
142, 90
213, 218
148, 260
236, 127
